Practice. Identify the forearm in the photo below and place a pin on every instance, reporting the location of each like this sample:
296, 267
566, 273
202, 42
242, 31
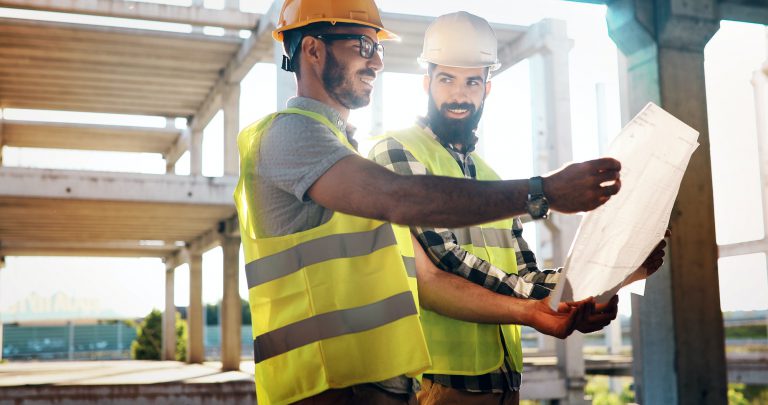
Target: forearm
451, 203
445, 251
458, 298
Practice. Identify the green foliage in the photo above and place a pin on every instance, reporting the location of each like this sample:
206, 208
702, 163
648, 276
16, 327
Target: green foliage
747, 332
181, 338
597, 389
148, 343
212, 312
741, 394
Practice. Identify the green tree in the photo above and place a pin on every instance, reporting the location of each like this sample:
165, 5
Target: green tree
148, 343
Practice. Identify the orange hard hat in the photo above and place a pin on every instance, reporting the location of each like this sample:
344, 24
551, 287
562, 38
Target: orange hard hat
300, 13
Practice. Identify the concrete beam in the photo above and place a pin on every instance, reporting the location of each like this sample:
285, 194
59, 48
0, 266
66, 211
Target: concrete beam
547, 35
745, 11
195, 349
180, 146
250, 52
80, 248
31, 134
176, 259
231, 313
743, 248
45, 183
228, 18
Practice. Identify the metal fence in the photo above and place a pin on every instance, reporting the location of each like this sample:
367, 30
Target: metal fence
71, 341
94, 342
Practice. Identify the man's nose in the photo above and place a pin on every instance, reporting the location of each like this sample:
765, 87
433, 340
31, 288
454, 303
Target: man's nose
376, 62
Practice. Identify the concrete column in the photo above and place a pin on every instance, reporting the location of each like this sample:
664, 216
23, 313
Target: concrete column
196, 152
760, 86
70, 340
683, 355
286, 81
231, 108
377, 107
231, 315
195, 349
169, 317
2, 265
552, 145
2, 142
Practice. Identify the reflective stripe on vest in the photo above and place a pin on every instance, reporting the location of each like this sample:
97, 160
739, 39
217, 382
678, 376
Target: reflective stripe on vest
332, 324
458, 347
331, 306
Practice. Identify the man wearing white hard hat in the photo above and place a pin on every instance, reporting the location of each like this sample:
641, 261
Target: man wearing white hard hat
474, 340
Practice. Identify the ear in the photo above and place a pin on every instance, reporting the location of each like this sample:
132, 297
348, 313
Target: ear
312, 51
487, 88
426, 82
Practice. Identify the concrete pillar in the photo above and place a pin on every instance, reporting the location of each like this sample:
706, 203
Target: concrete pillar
231, 314
2, 142
195, 349
2, 265
70, 340
552, 145
760, 86
683, 355
604, 135
169, 317
286, 81
231, 108
377, 107
196, 152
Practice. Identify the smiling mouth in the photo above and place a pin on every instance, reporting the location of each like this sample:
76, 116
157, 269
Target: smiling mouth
458, 111
368, 80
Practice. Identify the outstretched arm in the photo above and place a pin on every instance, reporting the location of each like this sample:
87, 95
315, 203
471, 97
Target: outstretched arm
357, 186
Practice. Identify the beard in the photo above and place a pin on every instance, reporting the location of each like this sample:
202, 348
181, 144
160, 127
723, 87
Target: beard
339, 85
454, 131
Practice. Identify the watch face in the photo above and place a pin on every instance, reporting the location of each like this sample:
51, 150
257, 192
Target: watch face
538, 207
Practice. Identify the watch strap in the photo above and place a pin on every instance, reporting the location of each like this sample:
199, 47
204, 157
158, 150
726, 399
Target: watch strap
535, 186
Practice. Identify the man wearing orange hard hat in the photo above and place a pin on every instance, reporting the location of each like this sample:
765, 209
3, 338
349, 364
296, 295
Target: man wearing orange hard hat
332, 285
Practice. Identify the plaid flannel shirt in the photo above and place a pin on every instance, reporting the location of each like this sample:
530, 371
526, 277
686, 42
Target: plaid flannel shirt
442, 247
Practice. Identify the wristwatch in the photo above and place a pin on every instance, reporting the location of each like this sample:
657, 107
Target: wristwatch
537, 204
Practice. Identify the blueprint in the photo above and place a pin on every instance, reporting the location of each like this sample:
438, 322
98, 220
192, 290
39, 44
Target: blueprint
613, 240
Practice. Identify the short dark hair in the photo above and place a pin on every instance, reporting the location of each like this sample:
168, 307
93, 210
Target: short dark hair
292, 40
432, 66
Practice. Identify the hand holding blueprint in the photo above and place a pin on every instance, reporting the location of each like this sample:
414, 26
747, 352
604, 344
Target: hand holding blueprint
613, 240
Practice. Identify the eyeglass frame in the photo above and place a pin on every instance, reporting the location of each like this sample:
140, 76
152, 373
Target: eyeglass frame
375, 46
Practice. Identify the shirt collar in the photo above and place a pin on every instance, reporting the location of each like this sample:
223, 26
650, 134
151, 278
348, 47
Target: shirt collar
321, 108
310, 104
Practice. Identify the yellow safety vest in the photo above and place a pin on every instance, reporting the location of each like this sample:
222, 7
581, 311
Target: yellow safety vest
458, 347
331, 306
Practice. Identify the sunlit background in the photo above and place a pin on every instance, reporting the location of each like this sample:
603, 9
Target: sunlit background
65, 288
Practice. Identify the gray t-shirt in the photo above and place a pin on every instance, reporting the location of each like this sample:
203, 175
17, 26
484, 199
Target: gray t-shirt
295, 152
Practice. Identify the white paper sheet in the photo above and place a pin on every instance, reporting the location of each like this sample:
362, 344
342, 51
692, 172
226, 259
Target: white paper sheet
613, 241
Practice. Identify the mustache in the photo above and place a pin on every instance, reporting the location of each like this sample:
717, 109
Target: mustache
458, 106
367, 72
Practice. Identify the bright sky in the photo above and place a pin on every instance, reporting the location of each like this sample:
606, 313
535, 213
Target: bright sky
132, 287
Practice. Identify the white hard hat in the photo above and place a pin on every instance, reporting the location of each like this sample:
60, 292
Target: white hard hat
462, 40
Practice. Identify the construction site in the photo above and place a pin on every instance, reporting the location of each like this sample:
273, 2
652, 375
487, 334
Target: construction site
190, 66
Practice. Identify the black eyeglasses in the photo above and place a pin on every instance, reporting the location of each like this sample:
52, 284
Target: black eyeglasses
367, 45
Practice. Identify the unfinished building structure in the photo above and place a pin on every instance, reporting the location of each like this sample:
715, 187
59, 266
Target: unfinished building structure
50, 65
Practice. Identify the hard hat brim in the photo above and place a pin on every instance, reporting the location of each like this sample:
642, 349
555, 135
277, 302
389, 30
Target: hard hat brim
382, 34
423, 62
